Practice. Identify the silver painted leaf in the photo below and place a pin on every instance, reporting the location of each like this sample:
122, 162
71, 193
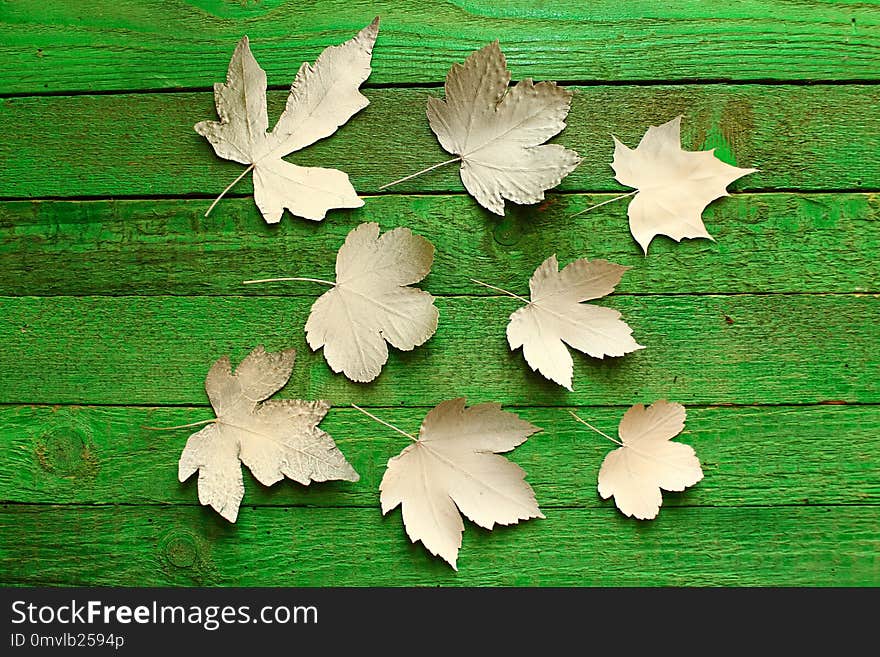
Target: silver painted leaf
276, 438
498, 132
675, 185
555, 317
648, 461
455, 468
371, 303
322, 98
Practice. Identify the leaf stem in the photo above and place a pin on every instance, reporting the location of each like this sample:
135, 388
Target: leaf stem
419, 173
290, 278
228, 187
387, 424
182, 426
611, 200
500, 289
601, 433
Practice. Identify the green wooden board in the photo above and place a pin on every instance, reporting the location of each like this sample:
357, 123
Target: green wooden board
145, 145
741, 349
155, 44
296, 546
116, 293
85, 454
770, 242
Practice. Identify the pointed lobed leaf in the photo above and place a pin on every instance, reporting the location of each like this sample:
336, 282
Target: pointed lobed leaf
323, 97
555, 317
453, 468
674, 186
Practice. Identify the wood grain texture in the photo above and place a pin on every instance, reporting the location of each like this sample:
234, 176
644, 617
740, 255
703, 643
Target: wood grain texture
741, 349
765, 243
800, 137
701, 546
115, 291
56, 45
751, 456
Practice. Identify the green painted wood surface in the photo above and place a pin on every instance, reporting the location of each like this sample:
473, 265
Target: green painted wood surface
158, 44
85, 454
741, 349
766, 243
181, 545
116, 294
800, 137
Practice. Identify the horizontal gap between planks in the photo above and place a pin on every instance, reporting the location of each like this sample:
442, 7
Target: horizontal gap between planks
571, 192
716, 405
455, 295
439, 85
560, 507
659, 294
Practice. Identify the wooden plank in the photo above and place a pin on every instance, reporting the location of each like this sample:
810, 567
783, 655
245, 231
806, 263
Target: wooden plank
709, 349
144, 144
54, 45
156, 545
751, 456
765, 243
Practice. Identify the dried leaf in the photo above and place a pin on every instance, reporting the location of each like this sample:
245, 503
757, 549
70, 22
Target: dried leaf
674, 186
371, 303
648, 460
455, 466
497, 132
274, 438
323, 97
555, 317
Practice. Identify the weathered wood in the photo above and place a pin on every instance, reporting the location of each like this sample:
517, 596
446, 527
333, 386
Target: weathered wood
158, 545
144, 144
121, 303
765, 243
700, 349
56, 45
751, 456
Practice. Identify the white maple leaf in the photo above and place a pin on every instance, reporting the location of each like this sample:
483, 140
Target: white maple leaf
276, 438
647, 460
497, 132
371, 304
454, 466
674, 186
555, 317
322, 97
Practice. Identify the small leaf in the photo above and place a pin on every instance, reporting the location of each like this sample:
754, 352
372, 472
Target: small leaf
555, 317
674, 186
648, 460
